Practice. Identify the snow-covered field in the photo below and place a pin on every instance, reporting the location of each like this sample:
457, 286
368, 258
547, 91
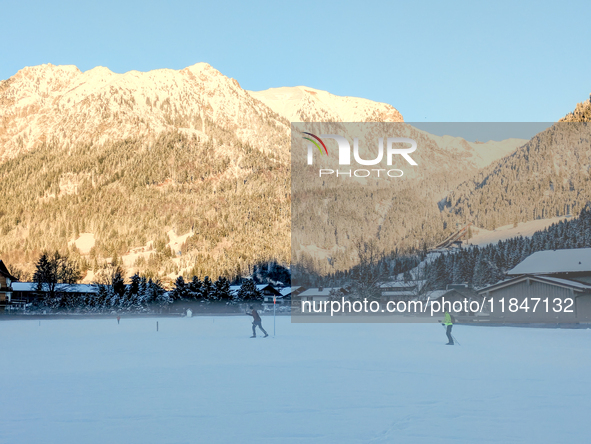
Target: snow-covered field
484, 237
202, 380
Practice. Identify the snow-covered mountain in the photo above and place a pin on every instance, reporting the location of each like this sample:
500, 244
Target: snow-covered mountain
62, 104
477, 153
128, 158
305, 104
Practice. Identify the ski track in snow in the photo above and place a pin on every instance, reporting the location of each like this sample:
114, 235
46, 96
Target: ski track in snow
203, 380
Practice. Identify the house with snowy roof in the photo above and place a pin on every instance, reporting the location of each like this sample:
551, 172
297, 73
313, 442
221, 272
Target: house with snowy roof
281, 297
321, 293
278, 296
552, 286
399, 291
27, 292
288, 296
6, 281
267, 290
568, 264
288, 292
285, 295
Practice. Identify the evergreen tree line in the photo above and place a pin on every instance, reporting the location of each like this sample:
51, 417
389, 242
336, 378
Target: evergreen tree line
381, 269
140, 296
209, 291
475, 266
481, 266
143, 295
55, 273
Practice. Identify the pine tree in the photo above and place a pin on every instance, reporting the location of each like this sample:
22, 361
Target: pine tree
132, 292
118, 288
249, 292
159, 295
207, 290
51, 271
195, 288
44, 273
180, 291
222, 290
142, 299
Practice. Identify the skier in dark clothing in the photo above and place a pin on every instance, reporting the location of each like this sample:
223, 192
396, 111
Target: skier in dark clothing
256, 321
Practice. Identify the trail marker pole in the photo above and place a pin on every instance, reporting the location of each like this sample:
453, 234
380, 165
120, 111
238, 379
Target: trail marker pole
274, 302
156, 325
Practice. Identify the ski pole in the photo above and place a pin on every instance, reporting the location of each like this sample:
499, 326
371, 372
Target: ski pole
452, 336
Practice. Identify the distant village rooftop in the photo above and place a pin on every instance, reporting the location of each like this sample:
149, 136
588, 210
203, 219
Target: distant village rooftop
555, 261
320, 291
60, 288
557, 282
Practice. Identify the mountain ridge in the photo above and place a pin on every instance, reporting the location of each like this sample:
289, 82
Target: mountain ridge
130, 157
61, 103
305, 104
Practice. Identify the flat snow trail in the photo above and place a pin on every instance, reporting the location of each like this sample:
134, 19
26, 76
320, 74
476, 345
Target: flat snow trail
203, 380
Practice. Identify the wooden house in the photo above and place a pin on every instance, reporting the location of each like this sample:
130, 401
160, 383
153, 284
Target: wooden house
552, 286
6, 281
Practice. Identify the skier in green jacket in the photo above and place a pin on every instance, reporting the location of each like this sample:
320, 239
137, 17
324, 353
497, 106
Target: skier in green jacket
448, 321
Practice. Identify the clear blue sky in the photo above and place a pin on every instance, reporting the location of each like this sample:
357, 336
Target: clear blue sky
433, 61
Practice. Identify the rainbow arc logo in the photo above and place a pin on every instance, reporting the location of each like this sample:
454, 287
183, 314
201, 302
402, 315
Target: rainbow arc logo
316, 143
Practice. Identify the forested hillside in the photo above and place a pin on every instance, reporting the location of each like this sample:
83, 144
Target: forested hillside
330, 215
128, 193
480, 266
547, 177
